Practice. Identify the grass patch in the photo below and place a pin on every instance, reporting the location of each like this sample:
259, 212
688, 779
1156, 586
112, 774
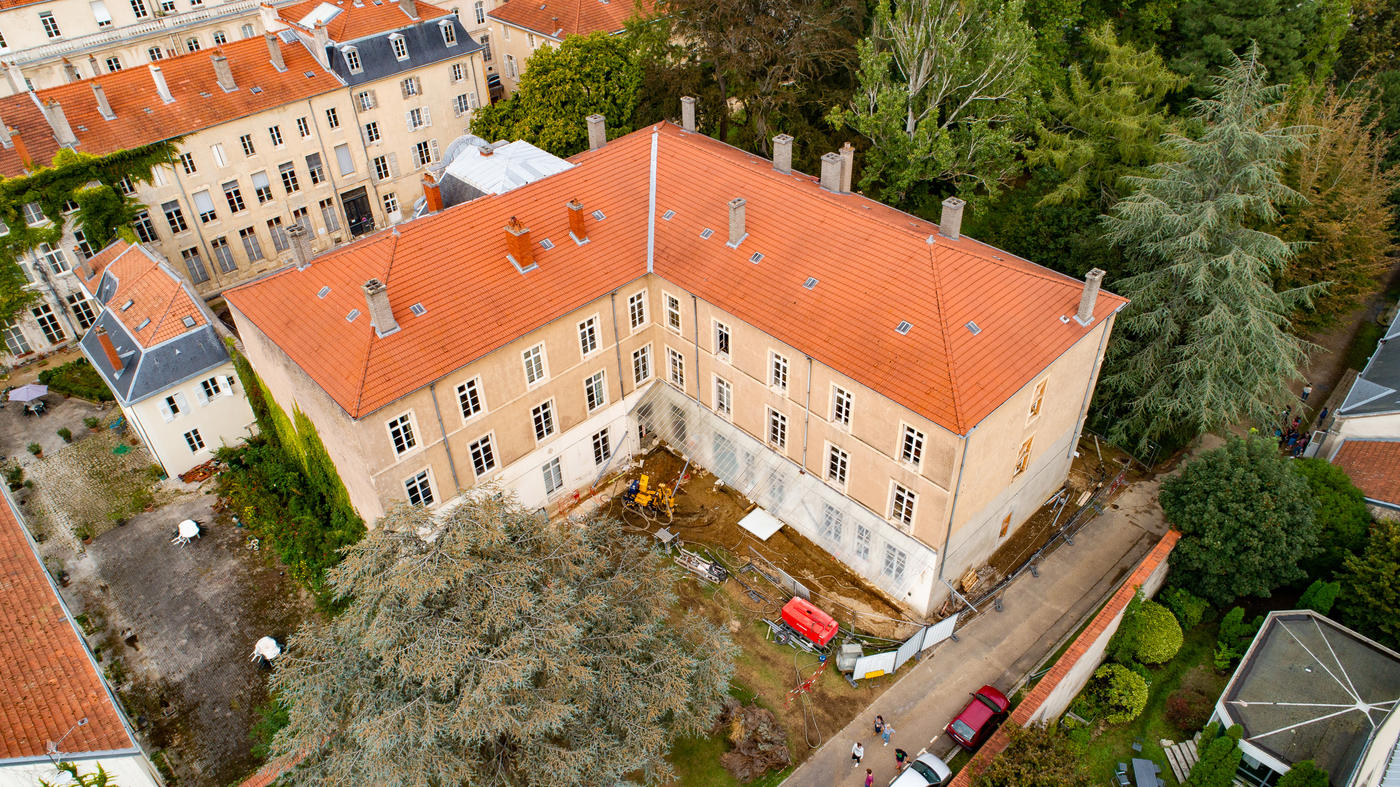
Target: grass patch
76, 378
696, 758
1363, 344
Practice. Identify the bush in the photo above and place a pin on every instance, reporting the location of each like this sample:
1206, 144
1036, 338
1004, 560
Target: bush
1220, 759
1370, 601
1123, 645
1188, 608
1304, 774
1117, 694
1035, 757
77, 378
66, 434
1320, 596
36, 449
92, 422
1160, 636
14, 476
1188, 710
1341, 514
1234, 637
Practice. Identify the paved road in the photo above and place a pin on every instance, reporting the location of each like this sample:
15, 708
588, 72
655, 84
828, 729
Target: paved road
998, 647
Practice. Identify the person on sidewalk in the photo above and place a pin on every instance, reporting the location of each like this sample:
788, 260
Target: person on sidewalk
885, 736
1307, 391
879, 724
869, 778
857, 751
900, 756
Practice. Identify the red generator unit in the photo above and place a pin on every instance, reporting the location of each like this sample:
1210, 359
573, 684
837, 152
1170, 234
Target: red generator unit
809, 621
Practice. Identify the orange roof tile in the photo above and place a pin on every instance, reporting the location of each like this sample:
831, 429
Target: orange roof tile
1374, 466
142, 117
560, 18
46, 677
160, 303
875, 267
360, 18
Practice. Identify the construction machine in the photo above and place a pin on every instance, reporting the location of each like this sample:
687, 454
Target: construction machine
656, 503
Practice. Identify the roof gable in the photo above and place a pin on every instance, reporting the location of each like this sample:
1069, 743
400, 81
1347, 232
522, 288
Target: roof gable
1373, 466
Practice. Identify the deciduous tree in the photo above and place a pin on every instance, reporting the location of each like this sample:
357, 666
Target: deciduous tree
1370, 600
487, 645
1036, 756
1340, 512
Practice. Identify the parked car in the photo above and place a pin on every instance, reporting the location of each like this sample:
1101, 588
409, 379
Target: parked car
925, 771
977, 720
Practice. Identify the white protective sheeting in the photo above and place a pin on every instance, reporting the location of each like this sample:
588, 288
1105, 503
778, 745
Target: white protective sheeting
760, 523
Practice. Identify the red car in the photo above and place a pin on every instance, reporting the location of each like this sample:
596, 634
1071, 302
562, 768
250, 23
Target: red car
977, 720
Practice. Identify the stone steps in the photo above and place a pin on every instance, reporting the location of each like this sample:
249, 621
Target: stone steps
1183, 757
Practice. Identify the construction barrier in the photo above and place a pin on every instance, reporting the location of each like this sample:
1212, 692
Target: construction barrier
877, 664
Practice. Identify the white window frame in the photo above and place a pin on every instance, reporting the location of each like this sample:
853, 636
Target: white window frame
832, 523
675, 367
588, 342
842, 402
672, 306
539, 364
552, 473
411, 443
1023, 457
724, 397
775, 429
489, 440
543, 414
919, 445
903, 507
598, 381
637, 310
399, 45
604, 452
723, 329
1037, 405
895, 562
842, 477
863, 540
779, 371
642, 354
197, 438
426, 476
472, 386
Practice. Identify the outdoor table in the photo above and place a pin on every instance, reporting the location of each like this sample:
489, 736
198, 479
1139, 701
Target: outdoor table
266, 649
1145, 773
188, 529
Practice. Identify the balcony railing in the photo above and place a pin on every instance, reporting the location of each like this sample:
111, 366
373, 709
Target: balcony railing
157, 25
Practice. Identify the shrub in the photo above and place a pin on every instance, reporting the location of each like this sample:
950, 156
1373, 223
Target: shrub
1117, 693
1320, 596
1234, 637
1370, 601
14, 476
1220, 758
66, 434
1340, 511
1188, 608
36, 449
1123, 645
1188, 709
77, 378
1160, 636
1035, 757
1304, 774
92, 422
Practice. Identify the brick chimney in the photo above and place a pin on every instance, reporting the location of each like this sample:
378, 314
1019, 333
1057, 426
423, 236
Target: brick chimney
323, 39
21, 149
301, 245
163, 89
736, 223
597, 131
578, 230
274, 51
848, 161
782, 153
58, 121
831, 172
950, 221
223, 72
518, 248
103, 105
688, 113
432, 192
109, 349
409, 7
1092, 281
381, 315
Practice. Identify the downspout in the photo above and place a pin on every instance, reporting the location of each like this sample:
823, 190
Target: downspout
957, 487
1089, 389
651, 207
617, 345
807, 414
451, 465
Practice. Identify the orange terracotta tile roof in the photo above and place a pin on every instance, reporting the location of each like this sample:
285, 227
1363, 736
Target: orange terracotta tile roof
142, 117
47, 680
560, 18
875, 268
160, 302
359, 18
1374, 466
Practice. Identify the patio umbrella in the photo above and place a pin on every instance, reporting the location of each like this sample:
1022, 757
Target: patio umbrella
28, 393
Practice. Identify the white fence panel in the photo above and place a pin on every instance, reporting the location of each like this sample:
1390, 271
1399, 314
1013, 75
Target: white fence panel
939, 631
874, 666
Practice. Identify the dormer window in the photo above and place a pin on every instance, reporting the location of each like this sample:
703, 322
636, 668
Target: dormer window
449, 33
400, 46
352, 59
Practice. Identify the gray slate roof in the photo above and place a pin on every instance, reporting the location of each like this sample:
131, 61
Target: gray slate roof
1377, 388
147, 372
425, 45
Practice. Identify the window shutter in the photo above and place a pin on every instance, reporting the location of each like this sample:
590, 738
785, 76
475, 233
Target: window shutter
456, 109
408, 119
427, 117
435, 149
165, 411
394, 164
228, 383
200, 396
182, 402
403, 87
471, 100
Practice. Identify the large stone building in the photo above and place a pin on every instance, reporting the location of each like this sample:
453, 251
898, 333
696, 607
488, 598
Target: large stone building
901, 394
328, 122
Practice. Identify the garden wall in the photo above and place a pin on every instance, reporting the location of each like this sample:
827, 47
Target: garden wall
1053, 694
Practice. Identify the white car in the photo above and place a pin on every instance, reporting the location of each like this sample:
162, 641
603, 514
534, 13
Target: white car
926, 771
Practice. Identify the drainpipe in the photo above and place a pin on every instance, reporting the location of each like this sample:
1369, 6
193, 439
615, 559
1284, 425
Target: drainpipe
451, 465
617, 345
807, 414
957, 487
695, 318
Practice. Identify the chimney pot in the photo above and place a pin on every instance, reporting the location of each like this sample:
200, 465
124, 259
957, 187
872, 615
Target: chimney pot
688, 113
950, 221
1087, 300
831, 172
518, 248
381, 315
109, 349
301, 245
274, 51
782, 153
223, 72
103, 105
432, 192
58, 121
409, 7
163, 89
736, 222
597, 131
848, 160
578, 229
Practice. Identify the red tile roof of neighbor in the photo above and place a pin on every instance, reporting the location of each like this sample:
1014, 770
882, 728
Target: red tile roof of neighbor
159, 299
875, 267
360, 18
47, 680
142, 117
1374, 466
559, 18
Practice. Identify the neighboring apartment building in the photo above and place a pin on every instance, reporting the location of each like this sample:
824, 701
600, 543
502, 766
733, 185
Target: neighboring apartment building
519, 27
328, 123
45, 43
159, 349
904, 396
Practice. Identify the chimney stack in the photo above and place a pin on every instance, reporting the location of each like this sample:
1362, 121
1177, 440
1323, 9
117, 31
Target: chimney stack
163, 89
59, 123
688, 113
518, 248
432, 192
1092, 281
782, 153
71, 71
103, 105
578, 230
223, 72
274, 51
409, 7
21, 149
950, 221
381, 315
16, 76
323, 39
301, 245
109, 349
848, 160
736, 223
831, 172
597, 131
92, 66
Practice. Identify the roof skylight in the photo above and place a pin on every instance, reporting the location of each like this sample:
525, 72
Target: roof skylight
418, 309
598, 215
143, 324
972, 326
810, 283
127, 305
668, 215
546, 244
352, 315
904, 327
756, 258
323, 292
188, 321
705, 233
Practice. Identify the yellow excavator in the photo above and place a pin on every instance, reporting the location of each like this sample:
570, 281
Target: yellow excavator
656, 503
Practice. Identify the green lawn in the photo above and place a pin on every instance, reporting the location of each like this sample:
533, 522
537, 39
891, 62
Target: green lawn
696, 759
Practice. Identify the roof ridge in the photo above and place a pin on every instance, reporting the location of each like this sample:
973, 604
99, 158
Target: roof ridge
946, 332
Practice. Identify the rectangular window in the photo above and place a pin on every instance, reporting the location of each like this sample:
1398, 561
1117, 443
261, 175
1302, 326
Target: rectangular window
82, 310
542, 416
483, 456
675, 367
223, 255
53, 257
419, 490
174, 217
288, 171
862, 542
352, 59
485, 41
838, 462
449, 34
34, 214
187, 163
280, 241
1037, 398
344, 160
15, 341
469, 397
192, 45
902, 506
329, 215
211, 387
894, 562
637, 309
458, 73
234, 195
365, 98
126, 186
841, 406
145, 230
50, 24
724, 397
371, 132
154, 54
313, 168
602, 448
533, 359
81, 245
251, 246
401, 434
1023, 457
553, 476
332, 118
219, 157
641, 365
423, 153
832, 520
204, 206
400, 47
595, 391
195, 265
99, 14
247, 142
48, 323
777, 371
262, 187
381, 168
588, 336
138, 7
912, 446
391, 203
480, 10
194, 440
722, 340
303, 127
410, 87
673, 312
300, 218
275, 134
777, 429
461, 105
114, 64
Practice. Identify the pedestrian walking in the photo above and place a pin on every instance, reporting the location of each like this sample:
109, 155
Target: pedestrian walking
879, 724
900, 756
869, 778
889, 730
1307, 391
857, 751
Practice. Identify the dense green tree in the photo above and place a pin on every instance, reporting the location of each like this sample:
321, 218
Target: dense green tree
1143, 22
1372, 42
1245, 518
1188, 608
941, 97
1320, 596
596, 73
1297, 39
1304, 774
1066, 237
1161, 634
1340, 512
486, 645
1036, 756
1219, 759
1205, 343
1234, 636
1370, 599
1116, 694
